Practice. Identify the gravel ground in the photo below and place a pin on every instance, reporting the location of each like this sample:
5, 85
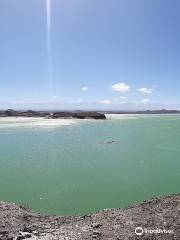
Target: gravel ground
153, 217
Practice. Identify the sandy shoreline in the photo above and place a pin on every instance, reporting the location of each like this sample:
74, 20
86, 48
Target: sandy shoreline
13, 122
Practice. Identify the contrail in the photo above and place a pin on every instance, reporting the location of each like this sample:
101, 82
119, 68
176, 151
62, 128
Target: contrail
49, 45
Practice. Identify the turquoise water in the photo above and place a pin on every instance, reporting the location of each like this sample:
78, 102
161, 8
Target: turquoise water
69, 169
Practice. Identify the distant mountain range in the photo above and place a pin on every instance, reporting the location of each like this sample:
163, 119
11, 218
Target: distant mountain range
162, 111
87, 106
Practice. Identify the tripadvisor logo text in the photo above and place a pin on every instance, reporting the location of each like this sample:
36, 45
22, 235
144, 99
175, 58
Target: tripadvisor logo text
140, 231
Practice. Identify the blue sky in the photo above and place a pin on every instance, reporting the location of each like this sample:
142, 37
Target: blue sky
102, 52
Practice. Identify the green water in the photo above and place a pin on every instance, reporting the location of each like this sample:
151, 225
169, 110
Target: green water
68, 170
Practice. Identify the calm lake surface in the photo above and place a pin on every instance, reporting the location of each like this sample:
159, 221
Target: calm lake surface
67, 167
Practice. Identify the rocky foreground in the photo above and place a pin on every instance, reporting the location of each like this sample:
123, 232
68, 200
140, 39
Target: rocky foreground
159, 219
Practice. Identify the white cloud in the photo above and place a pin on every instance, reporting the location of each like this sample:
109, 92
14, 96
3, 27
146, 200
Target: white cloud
106, 101
145, 101
123, 97
84, 88
121, 87
145, 90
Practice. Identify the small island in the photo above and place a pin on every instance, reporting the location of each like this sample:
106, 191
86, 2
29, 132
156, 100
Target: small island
77, 114
53, 115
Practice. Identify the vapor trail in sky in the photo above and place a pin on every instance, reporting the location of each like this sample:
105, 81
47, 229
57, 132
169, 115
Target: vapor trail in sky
49, 45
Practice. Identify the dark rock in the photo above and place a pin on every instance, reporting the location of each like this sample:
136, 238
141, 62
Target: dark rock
10, 113
23, 236
96, 225
79, 115
89, 115
61, 115
31, 113
55, 115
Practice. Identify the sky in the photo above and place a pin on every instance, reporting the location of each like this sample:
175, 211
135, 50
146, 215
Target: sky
108, 54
